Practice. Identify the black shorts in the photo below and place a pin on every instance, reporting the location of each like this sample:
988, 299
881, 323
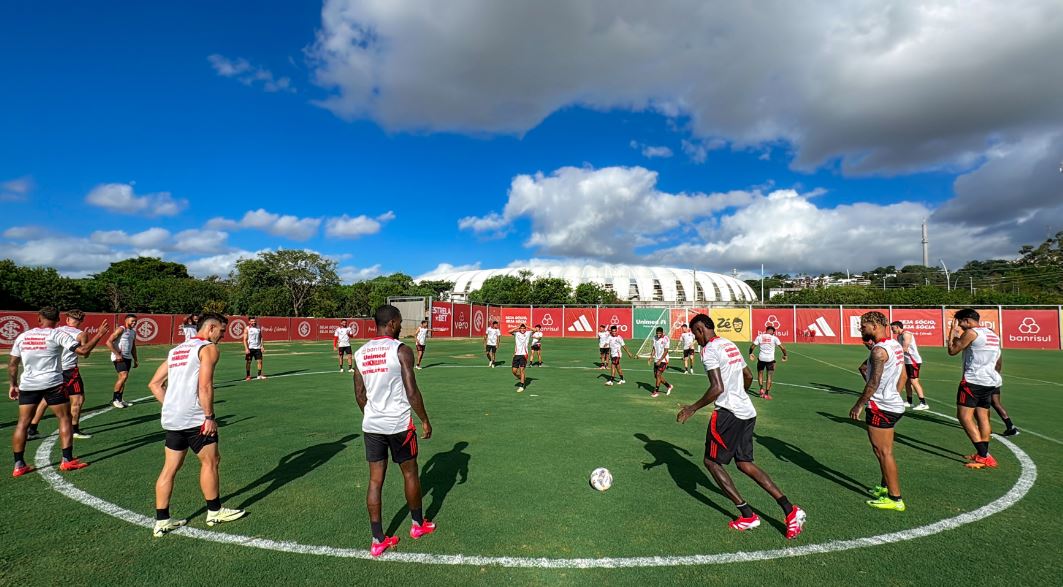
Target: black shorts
688, 353
729, 437
53, 396
536, 347
660, 367
72, 383
970, 395
491, 348
615, 360
878, 418
189, 438
253, 354
420, 348
912, 370
344, 350
123, 365
520, 361
403, 446
765, 366
604, 350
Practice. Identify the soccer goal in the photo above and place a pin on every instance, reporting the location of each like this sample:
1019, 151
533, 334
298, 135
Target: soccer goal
413, 309
675, 346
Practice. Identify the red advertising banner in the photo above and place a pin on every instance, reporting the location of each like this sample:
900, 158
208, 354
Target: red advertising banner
325, 328
851, 326
462, 320
512, 318
1030, 329
580, 323
442, 317
274, 328
303, 328
552, 320
479, 321
678, 319
151, 328
13, 324
987, 318
781, 318
925, 325
363, 328
494, 314
619, 317
818, 325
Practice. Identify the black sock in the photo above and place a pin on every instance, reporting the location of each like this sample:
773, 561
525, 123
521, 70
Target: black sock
260, 372
76, 428
68, 453
745, 510
785, 504
417, 516
895, 497
214, 504
909, 399
922, 400
378, 531
248, 371
1007, 422
20, 457
163, 514
120, 395
116, 396
982, 448
883, 484
31, 429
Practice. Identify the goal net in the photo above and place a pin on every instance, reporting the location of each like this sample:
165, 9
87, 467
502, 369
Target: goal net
675, 348
413, 310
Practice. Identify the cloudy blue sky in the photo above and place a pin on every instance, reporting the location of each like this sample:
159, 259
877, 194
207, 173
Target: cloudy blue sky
405, 136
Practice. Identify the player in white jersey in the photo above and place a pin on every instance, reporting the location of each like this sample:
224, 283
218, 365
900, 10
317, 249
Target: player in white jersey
188, 327
660, 362
123, 345
616, 345
521, 340
421, 340
768, 342
387, 392
73, 386
40, 353
603, 346
982, 363
912, 362
536, 356
341, 341
687, 342
253, 347
885, 378
730, 432
184, 385
491, 342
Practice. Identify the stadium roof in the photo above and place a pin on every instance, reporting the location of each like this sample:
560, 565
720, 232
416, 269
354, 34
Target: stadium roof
630, 282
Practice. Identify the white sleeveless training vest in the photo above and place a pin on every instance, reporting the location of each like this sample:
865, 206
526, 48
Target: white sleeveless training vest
387, 410
180, 406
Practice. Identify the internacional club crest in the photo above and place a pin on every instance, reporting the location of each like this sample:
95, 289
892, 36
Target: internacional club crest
304, 329
146, 329
237, 328
11, 327
478, 320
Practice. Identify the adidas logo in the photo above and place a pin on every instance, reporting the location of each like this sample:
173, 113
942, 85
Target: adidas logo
821, 328
581, 325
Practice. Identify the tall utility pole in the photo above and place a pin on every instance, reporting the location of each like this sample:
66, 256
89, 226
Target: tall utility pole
762, 283
926, 245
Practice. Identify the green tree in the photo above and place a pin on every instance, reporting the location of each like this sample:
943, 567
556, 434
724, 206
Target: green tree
592, 293
548, 291
295, 275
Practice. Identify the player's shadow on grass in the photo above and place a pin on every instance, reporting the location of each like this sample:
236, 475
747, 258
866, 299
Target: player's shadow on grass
291, 467
111, 426
144, 440
910, 442
430, 365
291, 372
438, 477
784, 451
686, 474
835, 389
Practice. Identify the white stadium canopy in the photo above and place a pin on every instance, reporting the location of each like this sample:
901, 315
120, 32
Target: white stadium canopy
632, 283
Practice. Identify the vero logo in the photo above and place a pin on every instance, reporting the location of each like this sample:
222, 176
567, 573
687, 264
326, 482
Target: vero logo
581, 325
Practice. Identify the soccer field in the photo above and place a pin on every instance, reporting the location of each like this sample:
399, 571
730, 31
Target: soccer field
505, 476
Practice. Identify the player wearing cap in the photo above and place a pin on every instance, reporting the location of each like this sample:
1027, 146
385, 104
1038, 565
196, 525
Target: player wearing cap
253, 348
40, 353
123, 345
616, 345
184, 385
912, 362
884, 379
687, 341
491, 342
767, 342
730, 432
341, 341
660, 362
386, 391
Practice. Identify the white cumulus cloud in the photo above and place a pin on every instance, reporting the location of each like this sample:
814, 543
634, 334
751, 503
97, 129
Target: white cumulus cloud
286, 225
250, 75
357, 226
120, 198
16, 190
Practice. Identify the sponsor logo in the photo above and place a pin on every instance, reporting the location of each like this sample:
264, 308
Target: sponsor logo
354, 329
146, 329
821, 327
461, 320
304, 329
11, 327
548, 320
1029, 326
581, 325
772, 321
727, 324
237, 328
616, 322
478, 320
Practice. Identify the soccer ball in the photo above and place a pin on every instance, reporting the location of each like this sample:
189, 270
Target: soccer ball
601, 479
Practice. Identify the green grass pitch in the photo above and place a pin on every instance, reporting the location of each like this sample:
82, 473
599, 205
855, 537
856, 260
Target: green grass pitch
506, 475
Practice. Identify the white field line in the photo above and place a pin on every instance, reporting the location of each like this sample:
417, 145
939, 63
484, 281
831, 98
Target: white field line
1027, 477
